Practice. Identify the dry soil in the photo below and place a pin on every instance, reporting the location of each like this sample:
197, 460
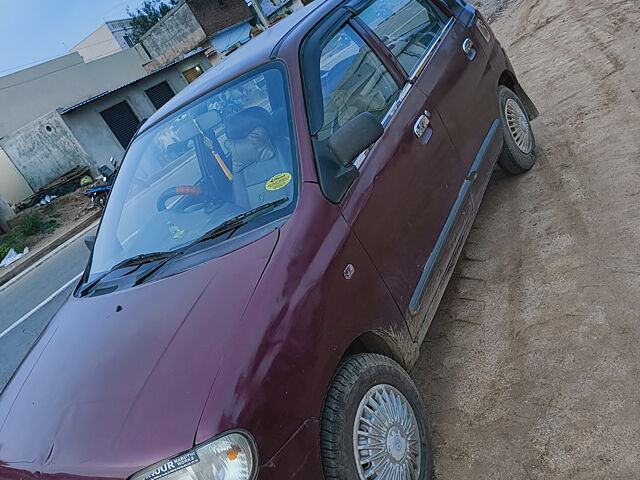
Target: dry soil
531, 367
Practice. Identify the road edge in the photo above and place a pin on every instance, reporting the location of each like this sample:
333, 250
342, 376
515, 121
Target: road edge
57, 243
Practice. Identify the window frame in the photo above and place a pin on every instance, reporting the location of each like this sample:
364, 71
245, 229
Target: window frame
334, 182
146, 92
410, 78
194, 67
253, 230
362, 5
334, 179
398, 75
113, 134
347, 14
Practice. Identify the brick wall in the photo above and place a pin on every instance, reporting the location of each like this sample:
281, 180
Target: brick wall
216, 15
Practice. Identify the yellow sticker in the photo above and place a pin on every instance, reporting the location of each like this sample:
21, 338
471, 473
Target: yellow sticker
278, 181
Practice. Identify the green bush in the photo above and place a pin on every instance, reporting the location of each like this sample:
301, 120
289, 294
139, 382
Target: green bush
11, 240
30, 224
34, 224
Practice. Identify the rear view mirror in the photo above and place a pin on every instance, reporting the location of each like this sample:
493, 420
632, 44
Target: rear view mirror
89, 241
354, 137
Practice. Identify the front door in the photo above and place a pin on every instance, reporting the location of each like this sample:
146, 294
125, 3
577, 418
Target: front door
408, 181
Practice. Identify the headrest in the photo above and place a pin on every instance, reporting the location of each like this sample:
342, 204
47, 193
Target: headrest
209, 119
186, 131
244, 122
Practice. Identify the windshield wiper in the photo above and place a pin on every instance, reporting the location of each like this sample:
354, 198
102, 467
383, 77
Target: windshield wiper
235, 222
132, 262
163, 257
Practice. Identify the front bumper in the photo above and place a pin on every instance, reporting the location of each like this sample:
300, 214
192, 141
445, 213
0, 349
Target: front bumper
299, 458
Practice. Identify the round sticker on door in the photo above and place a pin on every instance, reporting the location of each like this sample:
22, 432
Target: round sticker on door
278, 181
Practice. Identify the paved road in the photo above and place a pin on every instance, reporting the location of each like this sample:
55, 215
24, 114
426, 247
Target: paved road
28, 294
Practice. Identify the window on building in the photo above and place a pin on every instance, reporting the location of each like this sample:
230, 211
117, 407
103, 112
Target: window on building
191, 74
407, 27
354, 81
128, 41
160, 94
122, 122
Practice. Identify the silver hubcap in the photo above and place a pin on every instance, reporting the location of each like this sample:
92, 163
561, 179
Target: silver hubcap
386, 440
518, 126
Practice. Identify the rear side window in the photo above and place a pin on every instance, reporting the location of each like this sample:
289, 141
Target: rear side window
407, 27
353, 81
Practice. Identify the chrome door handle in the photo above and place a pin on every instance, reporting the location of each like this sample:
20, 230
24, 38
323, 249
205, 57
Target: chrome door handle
467, 46
422, 124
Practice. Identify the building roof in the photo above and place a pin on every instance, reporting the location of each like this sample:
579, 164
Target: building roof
120, 20
100, 95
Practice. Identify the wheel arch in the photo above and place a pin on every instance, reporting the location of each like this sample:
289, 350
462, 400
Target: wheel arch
382, 343
509, 80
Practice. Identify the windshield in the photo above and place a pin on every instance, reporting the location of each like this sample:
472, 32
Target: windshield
223, 155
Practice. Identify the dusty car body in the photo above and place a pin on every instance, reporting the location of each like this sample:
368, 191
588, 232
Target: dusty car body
245, 334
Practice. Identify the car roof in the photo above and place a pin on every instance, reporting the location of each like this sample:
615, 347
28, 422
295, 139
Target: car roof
257, 51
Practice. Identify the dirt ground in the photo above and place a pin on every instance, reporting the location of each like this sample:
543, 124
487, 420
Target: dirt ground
491, 9
531, 368
73, 207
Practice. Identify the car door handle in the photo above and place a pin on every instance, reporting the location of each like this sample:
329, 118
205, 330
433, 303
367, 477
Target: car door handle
469, 49
422, 124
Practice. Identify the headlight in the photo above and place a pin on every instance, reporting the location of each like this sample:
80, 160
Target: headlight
228, 457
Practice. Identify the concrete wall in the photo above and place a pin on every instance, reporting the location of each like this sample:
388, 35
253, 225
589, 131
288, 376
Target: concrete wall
92, 132
97, 45
176, 34
13, 186
28, 94
120, 29
43, 150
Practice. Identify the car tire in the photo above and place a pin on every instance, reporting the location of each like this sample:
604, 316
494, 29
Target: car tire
362, 387
519, 150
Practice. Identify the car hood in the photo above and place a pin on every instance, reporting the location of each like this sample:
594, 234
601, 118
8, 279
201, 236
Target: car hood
119, 381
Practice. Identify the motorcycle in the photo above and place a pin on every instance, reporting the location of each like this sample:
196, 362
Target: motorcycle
99, 194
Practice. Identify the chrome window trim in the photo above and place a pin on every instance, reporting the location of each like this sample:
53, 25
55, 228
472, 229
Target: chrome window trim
432, 50
359, 161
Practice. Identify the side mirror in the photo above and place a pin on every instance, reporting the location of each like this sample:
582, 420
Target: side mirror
354, 137
90, 241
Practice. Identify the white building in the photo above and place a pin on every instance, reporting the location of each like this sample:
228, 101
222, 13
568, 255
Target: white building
111, 37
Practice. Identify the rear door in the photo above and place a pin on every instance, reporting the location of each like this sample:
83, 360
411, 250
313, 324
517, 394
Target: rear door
446, 60
409, 180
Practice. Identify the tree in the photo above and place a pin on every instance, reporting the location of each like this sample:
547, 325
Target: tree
147, 15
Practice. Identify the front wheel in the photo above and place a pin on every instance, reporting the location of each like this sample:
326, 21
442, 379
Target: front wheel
374, 423
519, 150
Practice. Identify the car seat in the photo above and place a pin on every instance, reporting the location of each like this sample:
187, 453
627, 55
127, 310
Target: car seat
258, 154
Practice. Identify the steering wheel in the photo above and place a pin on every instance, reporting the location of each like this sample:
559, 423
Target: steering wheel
180, 190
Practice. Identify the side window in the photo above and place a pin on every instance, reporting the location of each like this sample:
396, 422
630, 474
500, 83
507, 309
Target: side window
407, 27
353, 81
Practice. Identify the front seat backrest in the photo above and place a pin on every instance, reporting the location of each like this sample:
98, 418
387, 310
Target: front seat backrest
255, 156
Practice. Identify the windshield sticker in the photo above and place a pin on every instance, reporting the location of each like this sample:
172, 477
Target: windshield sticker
278, 181
177, 233
170, 466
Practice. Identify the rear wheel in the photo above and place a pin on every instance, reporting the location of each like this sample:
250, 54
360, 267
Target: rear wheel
374, 423
519, 150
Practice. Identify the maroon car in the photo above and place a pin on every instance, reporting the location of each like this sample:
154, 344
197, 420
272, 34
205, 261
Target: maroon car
273, 251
